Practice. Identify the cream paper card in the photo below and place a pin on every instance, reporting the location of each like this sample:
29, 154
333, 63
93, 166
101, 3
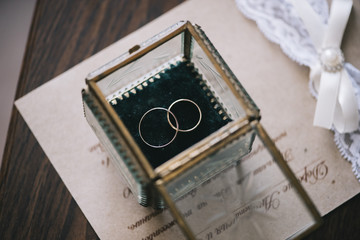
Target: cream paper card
278, 86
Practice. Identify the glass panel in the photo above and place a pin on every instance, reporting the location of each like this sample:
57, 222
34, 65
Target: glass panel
249, 200
211, 166
162, 90
138, 71
216, 83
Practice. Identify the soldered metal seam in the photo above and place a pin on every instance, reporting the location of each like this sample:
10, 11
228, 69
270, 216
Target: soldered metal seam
182, 161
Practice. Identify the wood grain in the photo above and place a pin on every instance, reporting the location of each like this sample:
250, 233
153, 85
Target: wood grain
34, 203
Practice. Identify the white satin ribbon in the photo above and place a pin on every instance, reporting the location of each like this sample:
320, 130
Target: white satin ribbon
336, 103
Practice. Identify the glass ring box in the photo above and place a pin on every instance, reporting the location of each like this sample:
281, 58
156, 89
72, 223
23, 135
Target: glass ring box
184, 134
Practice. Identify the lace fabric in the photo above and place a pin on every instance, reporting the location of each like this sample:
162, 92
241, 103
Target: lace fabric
279, 22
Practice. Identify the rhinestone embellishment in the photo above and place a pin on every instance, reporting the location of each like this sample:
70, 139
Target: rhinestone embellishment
332, 59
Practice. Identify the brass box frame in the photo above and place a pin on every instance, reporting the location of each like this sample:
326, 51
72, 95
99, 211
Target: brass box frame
134, 159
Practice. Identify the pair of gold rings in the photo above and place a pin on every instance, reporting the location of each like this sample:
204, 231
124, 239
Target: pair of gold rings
175, 125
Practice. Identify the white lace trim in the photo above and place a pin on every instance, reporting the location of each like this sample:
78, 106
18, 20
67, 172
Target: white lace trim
279, 22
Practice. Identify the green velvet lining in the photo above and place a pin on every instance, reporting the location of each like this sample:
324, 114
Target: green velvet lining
180, 81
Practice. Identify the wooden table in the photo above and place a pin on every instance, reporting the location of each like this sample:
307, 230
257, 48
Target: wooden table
34, 202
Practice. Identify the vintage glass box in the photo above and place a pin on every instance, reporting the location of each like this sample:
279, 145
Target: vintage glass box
183, 132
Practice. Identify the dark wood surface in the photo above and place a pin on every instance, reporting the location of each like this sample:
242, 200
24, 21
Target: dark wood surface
34, 202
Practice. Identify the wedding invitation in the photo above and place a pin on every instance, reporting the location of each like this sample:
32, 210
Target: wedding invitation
278, 86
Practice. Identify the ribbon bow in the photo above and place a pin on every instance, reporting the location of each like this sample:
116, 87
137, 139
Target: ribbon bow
336, 97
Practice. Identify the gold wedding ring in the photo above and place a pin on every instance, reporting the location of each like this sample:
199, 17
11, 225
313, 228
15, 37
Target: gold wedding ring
189, 129
168, 112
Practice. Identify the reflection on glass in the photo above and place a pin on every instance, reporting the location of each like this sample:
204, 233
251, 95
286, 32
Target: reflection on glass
251, 199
